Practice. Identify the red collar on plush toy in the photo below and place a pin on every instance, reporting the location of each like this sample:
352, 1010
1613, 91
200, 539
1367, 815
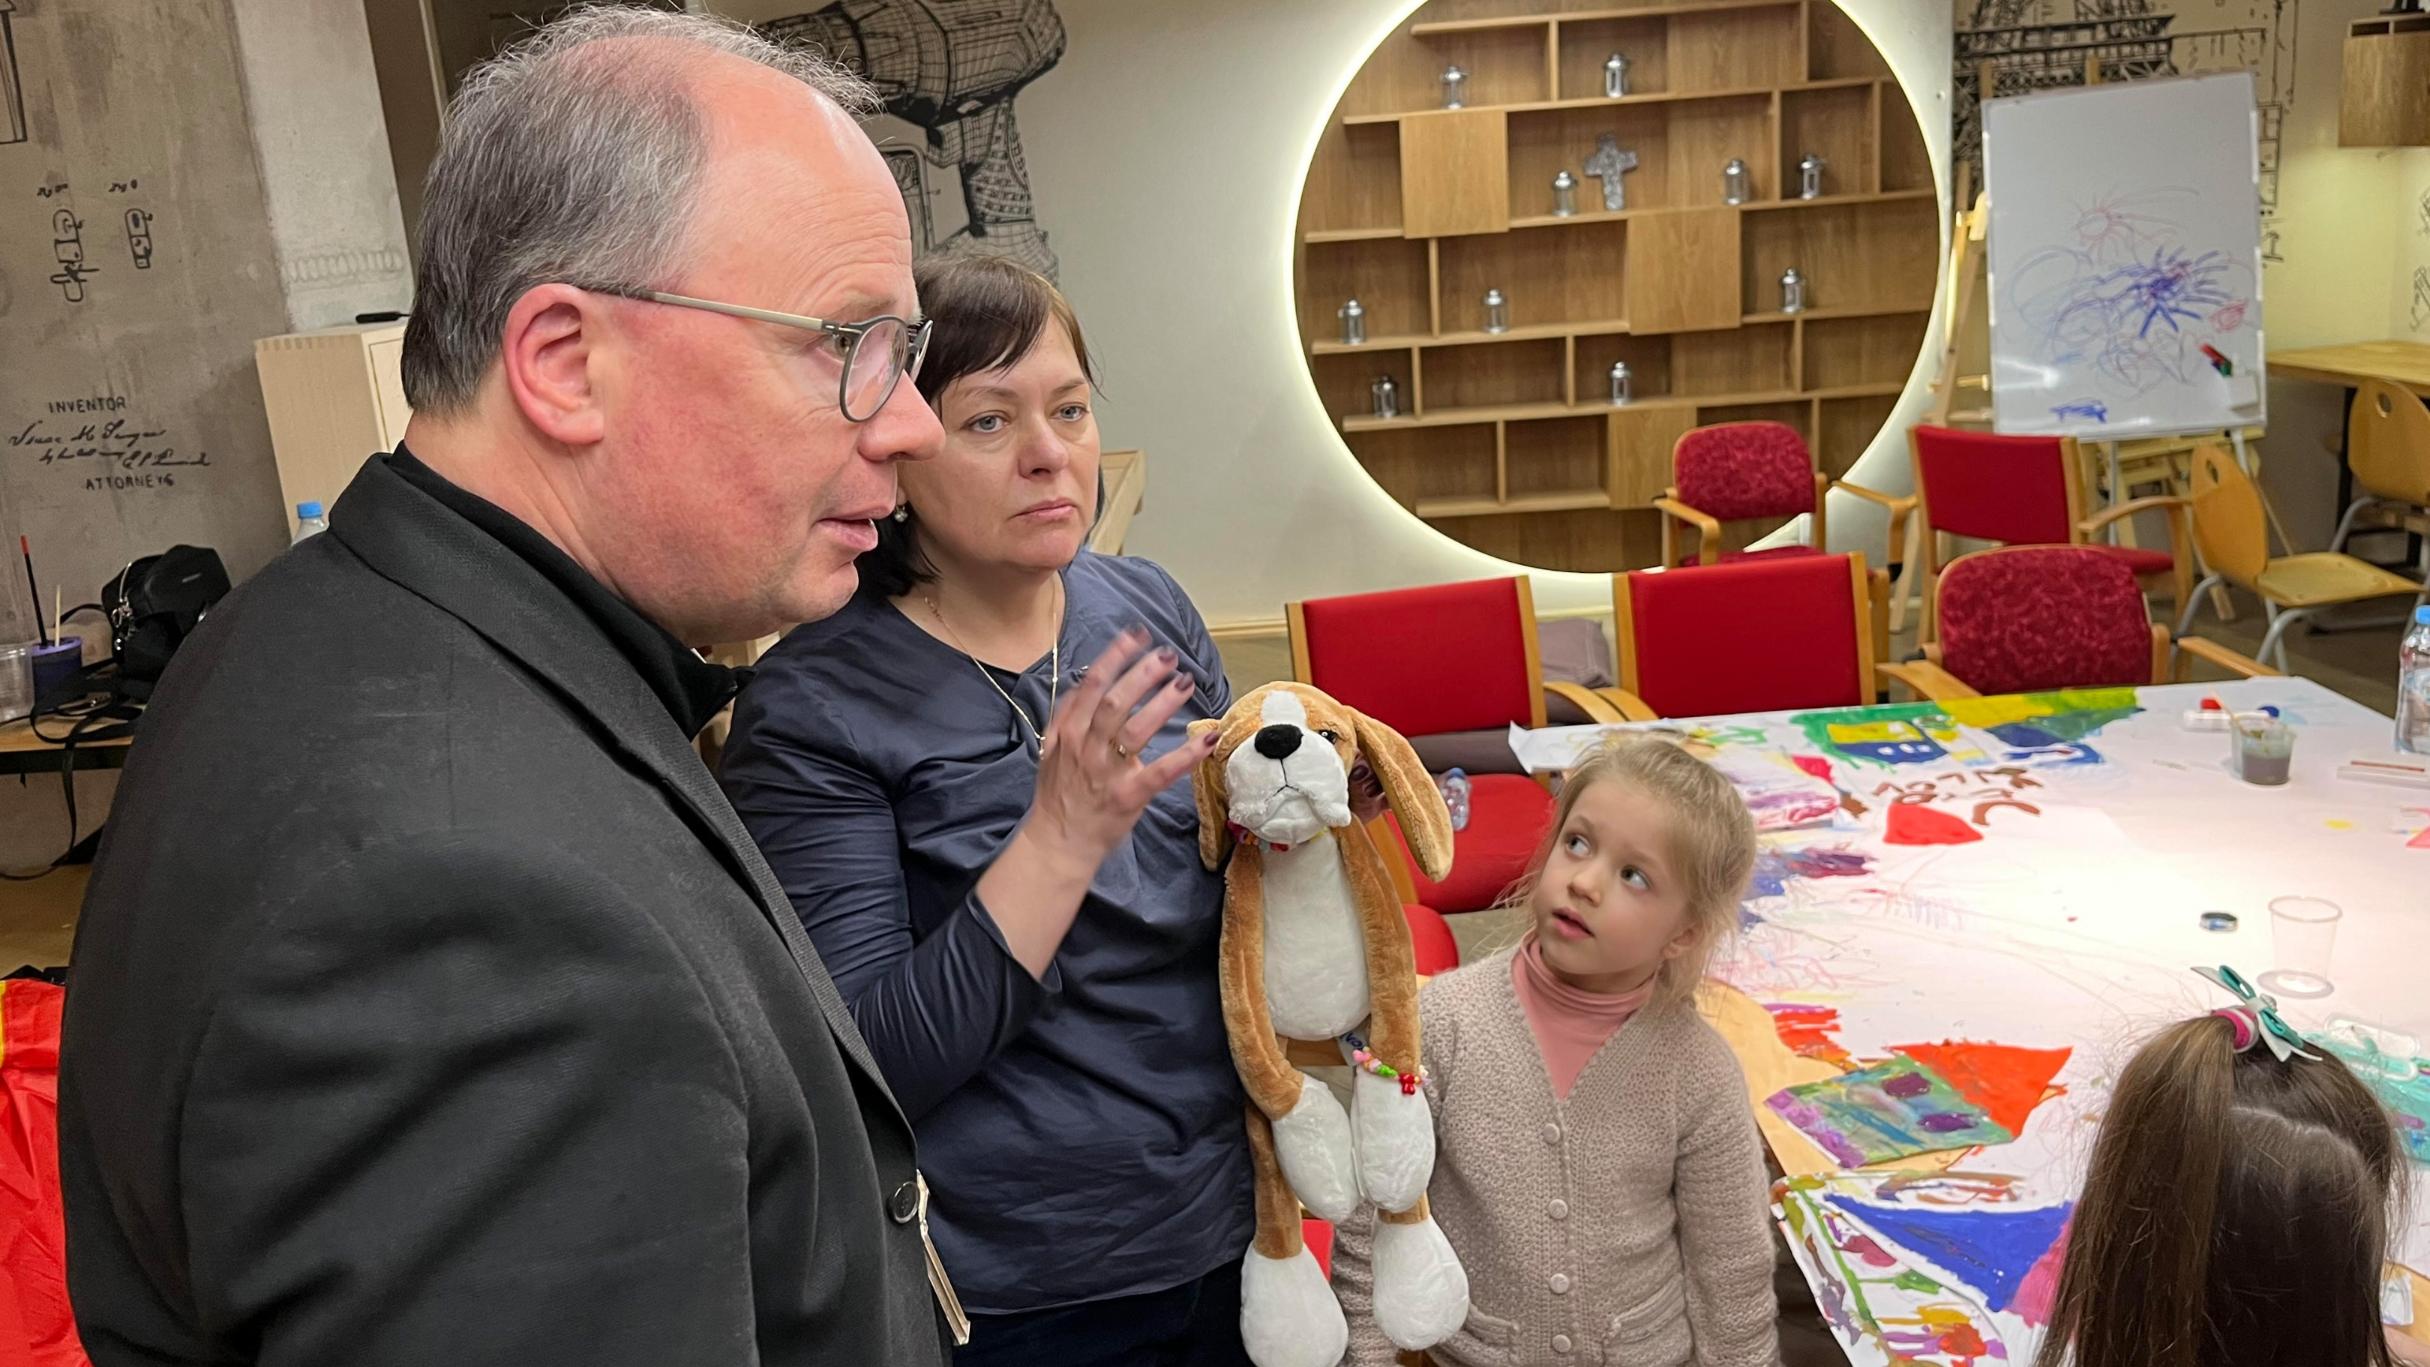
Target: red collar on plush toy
1245, 836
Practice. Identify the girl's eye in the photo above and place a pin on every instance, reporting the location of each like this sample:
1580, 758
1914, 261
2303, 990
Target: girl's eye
1072, 412
1635, 878
986, 424
1576, 845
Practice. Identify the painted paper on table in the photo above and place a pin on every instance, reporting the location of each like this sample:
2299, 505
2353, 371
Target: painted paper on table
1890, 1110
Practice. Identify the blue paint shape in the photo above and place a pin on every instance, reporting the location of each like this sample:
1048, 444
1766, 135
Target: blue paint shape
1989, 1250
2086, 408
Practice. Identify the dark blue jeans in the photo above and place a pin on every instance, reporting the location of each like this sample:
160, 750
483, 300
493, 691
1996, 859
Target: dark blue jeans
1195, 1324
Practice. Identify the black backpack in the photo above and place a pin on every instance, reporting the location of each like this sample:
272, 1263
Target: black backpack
154, 604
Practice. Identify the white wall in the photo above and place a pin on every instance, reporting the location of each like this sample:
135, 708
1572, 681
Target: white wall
1167, 151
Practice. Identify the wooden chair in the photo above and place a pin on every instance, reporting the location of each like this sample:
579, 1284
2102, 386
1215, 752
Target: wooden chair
2025, 491
1745, 471
1756, 636
2232, 533
1437, 660
2029, 619
2388, 446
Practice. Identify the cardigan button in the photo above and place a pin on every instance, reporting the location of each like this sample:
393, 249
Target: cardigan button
905, 1206
1560, 1343
1551, 1132
1560, 1283
1559, 1209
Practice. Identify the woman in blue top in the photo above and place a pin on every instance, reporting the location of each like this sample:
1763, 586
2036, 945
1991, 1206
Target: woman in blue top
1026, 939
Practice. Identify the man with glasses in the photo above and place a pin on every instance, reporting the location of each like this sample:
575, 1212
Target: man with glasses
431, 1004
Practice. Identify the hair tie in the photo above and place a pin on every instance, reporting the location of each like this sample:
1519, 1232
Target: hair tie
2255, 1017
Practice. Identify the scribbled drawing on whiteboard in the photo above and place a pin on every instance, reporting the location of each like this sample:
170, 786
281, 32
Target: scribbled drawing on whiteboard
2131, 300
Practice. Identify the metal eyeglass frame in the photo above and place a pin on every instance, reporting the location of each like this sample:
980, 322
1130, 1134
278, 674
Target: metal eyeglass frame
907, 367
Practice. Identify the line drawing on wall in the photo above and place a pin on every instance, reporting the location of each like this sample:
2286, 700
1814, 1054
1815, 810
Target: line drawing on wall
2044, 45
12, 87
2421, 298
951, 68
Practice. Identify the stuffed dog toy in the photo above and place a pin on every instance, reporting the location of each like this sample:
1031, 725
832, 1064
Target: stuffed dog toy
1315, 948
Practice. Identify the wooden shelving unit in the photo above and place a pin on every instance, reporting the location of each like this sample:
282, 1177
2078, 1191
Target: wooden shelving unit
1505, 440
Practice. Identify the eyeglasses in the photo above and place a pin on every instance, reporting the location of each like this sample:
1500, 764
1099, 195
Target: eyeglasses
879, 353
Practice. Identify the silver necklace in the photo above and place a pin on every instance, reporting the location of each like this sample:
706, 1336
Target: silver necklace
1054, 681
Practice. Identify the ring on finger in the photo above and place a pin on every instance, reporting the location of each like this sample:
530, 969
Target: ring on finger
1121, 751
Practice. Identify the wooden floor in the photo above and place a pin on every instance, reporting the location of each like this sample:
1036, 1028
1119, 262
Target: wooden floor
38, 919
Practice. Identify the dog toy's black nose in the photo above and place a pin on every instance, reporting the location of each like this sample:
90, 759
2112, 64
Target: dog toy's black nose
1277, 741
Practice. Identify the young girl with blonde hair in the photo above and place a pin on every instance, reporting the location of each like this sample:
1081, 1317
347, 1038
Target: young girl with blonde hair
1597, 1167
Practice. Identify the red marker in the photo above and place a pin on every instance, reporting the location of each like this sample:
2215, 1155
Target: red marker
2221, 363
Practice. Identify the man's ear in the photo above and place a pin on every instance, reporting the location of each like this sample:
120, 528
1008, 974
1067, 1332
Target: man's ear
546, 356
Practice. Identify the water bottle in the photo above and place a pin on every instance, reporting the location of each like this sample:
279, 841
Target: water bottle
2413, 686
309, 521
1455, 797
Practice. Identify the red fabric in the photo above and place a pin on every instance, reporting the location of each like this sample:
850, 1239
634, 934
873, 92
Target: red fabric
1507, 816
1737, 470
2034, 618
36, 1328
1437, 950
1760, 636
1768, 553
1319, 1237
1994, 488
1448, 657
2139, 560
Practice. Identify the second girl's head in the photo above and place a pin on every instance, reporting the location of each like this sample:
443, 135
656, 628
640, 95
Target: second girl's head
1642, 873
1015, 487
2235, 1215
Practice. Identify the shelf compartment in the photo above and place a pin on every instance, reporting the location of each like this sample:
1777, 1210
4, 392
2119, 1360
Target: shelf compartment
1837, 125
1494, 376
1585, 44
1836, 47
1866, 351
1344, 380
1797, 413
1543, 142
1355, 183
1414, 465
1859, 255
1846, 427
1753, 358
1649, 364
1716, 49
1389, 277
1906, 165
1556, 458
1580, 280
1504, 66
1617, 12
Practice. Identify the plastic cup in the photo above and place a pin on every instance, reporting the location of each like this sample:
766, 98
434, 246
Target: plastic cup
2303, 933
16, 680
2263, 748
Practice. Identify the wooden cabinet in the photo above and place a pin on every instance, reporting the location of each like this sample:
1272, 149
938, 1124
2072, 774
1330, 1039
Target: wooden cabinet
1507, 440
2384, 98
334, 398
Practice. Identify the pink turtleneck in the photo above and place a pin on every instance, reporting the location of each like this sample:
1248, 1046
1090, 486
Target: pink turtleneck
1569, 1024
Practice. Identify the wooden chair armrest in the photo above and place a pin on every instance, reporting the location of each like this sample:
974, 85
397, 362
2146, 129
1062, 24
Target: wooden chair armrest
2225, 658
1585, 699
1629, 705
1927, 680
2131, 507
1899, 505
1708, 529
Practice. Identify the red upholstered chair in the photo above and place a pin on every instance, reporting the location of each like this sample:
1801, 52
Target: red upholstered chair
1744, 471
2027, 619
1446, 658
2027, 491
1437, 950
1757, 636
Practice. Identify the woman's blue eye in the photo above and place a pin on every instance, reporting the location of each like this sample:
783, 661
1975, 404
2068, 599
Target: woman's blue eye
1635, 878
1072, 412
982, 424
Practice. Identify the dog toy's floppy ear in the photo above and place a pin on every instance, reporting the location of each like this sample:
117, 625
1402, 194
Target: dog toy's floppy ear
1425, 821
1214, 805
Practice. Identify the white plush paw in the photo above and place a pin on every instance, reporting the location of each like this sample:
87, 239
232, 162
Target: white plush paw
1288, 1317
1313, 1144
1395, 1140
1421, 1291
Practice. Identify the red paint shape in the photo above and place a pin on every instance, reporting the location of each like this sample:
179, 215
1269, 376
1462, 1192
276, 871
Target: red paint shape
1808, 1031
2007, 1081
1914, 824
1814, 765
1868, 1252
1963, 1341
2420, 840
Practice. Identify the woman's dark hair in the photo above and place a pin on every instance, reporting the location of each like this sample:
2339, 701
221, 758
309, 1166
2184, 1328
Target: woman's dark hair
988, 311
2236, 1214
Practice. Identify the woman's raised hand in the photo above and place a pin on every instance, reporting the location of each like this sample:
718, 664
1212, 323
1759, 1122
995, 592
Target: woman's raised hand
1092, 784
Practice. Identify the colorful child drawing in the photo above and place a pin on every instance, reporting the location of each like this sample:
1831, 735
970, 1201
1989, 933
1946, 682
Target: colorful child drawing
1890, 1110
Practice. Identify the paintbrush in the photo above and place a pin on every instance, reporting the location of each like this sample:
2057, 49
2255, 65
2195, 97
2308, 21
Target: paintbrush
27, 551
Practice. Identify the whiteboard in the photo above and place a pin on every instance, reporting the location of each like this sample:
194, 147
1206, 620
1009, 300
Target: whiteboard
2125, 237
